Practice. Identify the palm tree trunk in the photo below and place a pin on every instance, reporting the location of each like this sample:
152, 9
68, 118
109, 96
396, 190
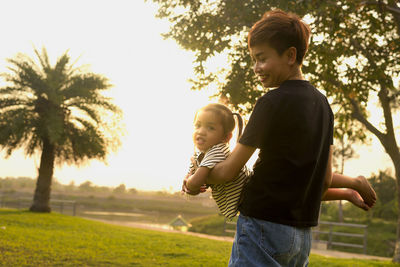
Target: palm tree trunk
41, 199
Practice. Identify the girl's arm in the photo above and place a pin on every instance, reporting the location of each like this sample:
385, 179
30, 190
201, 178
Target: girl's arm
359, 184
194, 182
228, 169
221, 173
358, 190
346, 194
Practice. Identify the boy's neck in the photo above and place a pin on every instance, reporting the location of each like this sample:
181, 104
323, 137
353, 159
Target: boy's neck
296, 74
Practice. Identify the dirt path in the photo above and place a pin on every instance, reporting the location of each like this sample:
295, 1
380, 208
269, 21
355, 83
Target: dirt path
322, 252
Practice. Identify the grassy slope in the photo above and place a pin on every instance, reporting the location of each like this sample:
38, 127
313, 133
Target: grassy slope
29, 239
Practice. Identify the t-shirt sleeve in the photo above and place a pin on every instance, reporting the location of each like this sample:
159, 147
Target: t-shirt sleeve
331, 123
212, 157
257, 126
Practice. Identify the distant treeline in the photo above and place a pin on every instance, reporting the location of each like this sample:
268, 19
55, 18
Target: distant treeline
385, 186
26, 183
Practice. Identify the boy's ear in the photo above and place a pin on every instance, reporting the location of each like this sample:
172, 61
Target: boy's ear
228, 137
291, 53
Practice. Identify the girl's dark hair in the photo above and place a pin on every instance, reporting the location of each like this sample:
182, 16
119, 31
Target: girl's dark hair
227, 117
281, 30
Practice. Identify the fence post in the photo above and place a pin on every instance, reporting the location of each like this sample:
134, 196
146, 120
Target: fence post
317, 234
224, 224
330, 237
61, 207
74, 209
365, 240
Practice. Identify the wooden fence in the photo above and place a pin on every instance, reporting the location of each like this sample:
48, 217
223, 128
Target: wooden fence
62, 206
229, 226
330, 235
320, 235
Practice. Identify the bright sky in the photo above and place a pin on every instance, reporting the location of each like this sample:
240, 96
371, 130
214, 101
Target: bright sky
121, 39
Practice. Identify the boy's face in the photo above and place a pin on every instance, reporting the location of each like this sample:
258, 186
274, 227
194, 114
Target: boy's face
208, 130
271, 68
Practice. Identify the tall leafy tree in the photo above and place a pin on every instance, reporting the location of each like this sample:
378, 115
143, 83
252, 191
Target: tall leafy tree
57, 111
353, 56
385, 188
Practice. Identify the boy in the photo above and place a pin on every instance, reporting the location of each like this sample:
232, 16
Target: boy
293, 128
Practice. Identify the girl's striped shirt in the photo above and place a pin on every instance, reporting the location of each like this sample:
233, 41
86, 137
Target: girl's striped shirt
226, 195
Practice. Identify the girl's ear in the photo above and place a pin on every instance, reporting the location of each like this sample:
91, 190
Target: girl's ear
227, 137
291, 55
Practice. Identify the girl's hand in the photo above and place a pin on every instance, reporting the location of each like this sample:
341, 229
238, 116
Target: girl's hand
186, 190
194, 162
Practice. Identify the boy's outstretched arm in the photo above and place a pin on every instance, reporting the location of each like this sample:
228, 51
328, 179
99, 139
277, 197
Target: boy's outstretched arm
228, 169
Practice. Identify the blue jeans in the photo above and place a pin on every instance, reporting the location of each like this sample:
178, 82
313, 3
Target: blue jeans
267, 244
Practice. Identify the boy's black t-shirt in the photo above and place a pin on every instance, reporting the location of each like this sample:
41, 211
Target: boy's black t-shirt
293, 128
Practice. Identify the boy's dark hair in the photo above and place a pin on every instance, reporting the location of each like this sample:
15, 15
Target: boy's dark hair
281, 30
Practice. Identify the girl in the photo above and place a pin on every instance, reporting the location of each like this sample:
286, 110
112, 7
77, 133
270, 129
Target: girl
213, 125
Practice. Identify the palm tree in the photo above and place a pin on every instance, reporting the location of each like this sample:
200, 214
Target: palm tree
56, 111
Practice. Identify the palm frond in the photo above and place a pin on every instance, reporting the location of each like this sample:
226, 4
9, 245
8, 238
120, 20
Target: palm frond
92, 113
15, 127
15, 103
16, 91
62, 64
43, 59
33, 143
98, 102
26, 76
85, 86
57, 77
83, 142
19, 86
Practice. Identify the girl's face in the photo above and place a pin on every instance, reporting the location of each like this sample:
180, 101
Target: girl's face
208, 130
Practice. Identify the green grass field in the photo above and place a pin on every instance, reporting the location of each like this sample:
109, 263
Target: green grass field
31, 239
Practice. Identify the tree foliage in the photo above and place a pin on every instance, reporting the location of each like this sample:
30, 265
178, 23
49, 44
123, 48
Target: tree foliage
385, 188
353, 52
120, 189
